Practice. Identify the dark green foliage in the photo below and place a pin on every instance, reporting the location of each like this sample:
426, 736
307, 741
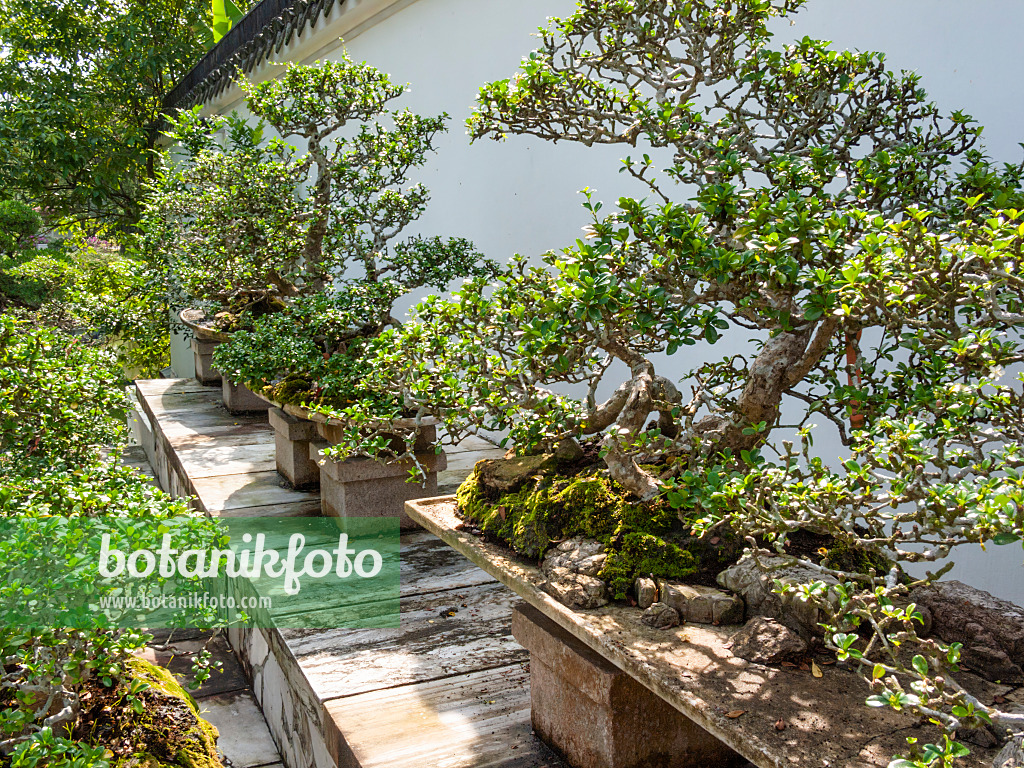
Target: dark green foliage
82, 84
19, 223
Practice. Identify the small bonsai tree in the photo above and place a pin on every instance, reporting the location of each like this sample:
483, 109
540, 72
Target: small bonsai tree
358, 205
820, 211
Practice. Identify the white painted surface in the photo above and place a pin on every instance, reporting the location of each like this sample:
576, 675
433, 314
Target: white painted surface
520, 196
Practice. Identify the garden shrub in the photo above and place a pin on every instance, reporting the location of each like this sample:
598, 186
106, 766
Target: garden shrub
19, 224
61, 423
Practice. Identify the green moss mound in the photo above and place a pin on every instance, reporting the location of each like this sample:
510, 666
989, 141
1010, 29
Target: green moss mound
167, 733
546, 502
641, 554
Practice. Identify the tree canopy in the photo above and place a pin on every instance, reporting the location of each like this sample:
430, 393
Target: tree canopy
81, 85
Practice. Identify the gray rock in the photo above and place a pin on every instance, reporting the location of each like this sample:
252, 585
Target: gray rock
646, 592
755, 587
767, 641
701, 605
575, 590
991, 663
660, 616
991, 630
583, 556
568, 450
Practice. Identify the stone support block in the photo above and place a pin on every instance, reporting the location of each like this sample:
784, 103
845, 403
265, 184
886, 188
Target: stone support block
292, 438
702, 605
368, 488
240, 399
596, 716
205, 372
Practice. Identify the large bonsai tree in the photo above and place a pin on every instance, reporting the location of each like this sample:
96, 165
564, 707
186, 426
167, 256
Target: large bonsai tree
853, 243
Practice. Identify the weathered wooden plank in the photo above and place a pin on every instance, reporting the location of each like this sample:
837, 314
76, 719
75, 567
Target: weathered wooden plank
442, 634
217, 459
256, 494
478, 720
185, 402
248, 434
154, 387
472, 443
426, 565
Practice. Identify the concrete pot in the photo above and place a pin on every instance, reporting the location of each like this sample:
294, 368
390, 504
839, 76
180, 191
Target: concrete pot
355, 487
204, 341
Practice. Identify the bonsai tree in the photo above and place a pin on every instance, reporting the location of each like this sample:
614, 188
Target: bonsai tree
355, 264
857, 249
248, 223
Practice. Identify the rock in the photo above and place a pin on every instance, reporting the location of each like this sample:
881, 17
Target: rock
701, 605
583, 556
660, 616
991, 663
575, 590
509, 475
991, 630
646, 592
568, 451
755, 587
767, 641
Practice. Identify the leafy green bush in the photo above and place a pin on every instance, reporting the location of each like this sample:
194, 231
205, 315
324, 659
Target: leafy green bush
19, 223
61, 421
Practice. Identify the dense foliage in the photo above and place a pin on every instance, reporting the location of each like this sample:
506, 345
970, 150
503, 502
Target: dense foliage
19, 223
62, 415
854, 244
82, 84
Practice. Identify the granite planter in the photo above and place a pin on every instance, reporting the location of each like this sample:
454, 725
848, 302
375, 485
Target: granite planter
204, 341
356, 487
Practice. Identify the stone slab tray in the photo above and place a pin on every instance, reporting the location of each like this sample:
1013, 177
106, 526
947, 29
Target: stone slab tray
825, 721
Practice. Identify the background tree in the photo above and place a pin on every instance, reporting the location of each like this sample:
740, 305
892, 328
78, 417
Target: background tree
81, 86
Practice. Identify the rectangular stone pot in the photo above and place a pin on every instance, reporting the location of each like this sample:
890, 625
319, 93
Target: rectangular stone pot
240, 399
205, 372
596, 716
368, 488
292, 440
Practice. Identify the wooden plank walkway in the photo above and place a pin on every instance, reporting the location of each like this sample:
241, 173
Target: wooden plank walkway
449, 688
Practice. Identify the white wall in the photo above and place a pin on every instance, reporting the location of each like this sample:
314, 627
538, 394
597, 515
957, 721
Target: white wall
520, 196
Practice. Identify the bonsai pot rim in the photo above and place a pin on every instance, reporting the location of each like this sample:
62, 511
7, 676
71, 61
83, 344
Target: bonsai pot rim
193, 318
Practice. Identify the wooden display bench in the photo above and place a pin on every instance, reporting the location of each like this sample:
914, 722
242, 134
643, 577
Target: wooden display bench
597, 676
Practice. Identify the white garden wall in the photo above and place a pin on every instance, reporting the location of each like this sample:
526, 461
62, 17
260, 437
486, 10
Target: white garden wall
521, 195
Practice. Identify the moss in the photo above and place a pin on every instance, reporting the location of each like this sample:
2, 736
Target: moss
641, 554
294, 390
553, 507
842, 557
168, 733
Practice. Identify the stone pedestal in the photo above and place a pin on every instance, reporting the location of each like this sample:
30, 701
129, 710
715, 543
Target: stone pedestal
240, 399
292, 438
205, 372
367, 488
596, 716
